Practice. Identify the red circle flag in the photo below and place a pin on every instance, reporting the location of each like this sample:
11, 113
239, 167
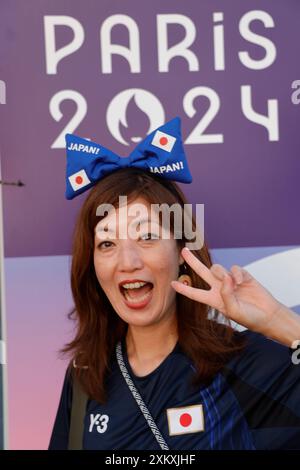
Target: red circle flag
163, 141
78, 179
185, 419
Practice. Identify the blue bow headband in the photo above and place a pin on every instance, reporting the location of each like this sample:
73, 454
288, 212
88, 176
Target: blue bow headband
161, 152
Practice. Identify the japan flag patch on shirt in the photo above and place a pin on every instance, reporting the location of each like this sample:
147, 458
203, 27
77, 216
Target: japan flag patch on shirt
79, 180
163, 141
185, 420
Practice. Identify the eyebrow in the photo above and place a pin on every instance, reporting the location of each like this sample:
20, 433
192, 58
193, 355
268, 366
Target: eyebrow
138, 223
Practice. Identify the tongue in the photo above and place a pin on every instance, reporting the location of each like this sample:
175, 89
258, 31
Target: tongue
134, 293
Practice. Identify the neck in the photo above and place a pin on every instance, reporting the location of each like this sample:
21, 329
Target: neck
148, 346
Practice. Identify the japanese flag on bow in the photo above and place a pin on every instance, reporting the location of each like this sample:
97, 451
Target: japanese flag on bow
185, 420
161, 153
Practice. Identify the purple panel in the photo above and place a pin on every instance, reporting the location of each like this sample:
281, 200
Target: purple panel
250, 186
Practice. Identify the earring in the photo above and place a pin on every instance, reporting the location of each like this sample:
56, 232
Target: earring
185, 279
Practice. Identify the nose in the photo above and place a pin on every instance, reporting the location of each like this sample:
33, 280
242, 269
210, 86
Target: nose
129, 258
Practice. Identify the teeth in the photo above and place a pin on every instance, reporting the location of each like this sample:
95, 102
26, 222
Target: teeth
133, 285
138, 300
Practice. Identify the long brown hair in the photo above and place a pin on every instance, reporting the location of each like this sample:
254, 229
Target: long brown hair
209, 344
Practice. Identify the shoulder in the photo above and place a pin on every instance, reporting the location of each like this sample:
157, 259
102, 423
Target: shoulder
67, 390
266, 384
60, 431
259, 346
68, 376
262, 360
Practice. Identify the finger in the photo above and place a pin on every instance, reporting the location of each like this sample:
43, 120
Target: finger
228, 297
199, 295
240, 274
218, 271
237, 273
246, 275
197, 266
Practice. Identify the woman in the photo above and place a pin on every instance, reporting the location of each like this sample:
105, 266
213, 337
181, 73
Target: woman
159, 370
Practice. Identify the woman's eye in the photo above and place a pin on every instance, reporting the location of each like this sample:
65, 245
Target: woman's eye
104, 244
151, 236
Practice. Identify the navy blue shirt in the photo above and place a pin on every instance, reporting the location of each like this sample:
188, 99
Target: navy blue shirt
252, 403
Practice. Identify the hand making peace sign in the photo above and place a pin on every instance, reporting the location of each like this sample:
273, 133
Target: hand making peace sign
236, 294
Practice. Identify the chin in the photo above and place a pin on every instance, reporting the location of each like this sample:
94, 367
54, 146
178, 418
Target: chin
140, 319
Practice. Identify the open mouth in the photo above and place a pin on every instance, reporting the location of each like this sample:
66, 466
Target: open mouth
136, 293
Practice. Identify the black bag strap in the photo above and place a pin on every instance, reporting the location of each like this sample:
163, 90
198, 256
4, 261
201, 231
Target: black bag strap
78, 409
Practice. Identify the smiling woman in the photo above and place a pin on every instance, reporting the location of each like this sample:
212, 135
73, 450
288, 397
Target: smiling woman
102, 263
154, 364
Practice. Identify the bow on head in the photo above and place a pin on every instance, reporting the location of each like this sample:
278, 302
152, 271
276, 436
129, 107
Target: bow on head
161, 152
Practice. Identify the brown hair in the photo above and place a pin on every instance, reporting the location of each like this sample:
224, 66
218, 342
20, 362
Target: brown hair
209, 344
